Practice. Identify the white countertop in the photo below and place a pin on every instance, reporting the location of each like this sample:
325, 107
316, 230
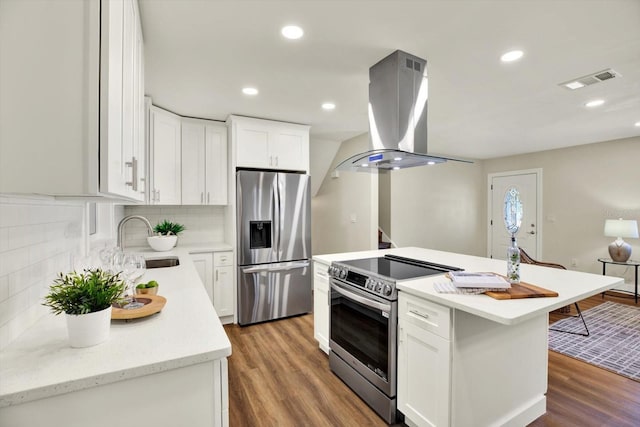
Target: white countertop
192, 248
571, 285
40, 363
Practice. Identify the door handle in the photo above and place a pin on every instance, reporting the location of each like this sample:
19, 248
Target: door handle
291, 266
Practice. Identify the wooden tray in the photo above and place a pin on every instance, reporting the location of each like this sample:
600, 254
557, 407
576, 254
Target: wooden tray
522, 290
152, 304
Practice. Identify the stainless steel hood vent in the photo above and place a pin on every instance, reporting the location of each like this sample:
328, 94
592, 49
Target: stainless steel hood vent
398, 93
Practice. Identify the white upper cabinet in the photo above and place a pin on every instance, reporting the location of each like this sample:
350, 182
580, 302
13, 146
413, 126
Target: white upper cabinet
72, 99
267, 144
204, 162
165, 187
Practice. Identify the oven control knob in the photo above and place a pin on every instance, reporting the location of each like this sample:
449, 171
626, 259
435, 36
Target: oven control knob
330, 271
342, 274
379, 287
370, 283
386, 290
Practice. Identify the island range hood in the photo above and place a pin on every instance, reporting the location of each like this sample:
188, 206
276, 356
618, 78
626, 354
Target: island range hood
398, 93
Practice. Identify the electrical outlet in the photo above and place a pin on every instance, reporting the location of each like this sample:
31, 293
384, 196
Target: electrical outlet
353, 217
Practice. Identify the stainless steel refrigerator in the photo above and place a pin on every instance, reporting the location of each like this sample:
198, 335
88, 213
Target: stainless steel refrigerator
274, 245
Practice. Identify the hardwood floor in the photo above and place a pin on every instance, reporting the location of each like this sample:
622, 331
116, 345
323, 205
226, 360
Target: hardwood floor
279, 377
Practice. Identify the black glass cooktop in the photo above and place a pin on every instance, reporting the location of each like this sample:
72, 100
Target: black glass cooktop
398, 268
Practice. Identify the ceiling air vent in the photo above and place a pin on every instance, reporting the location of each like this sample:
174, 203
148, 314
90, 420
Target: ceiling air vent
590, 79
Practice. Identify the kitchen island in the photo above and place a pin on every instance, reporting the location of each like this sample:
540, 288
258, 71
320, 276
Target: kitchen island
164, 370
471, 359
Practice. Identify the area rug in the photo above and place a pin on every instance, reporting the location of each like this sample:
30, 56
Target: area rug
614, 343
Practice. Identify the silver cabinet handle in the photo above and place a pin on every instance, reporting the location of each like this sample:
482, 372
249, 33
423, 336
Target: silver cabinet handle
208, 198
417, 313
201, 198
216, 274
276, 160
133, 164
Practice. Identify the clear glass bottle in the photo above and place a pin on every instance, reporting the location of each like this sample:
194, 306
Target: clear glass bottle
513, 262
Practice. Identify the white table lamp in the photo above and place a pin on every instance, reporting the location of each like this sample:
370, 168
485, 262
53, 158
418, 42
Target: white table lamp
619, 250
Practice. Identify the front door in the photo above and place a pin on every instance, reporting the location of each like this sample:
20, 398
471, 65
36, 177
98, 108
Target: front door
528, 237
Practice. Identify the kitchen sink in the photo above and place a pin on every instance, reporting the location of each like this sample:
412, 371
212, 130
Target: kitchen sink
171, 261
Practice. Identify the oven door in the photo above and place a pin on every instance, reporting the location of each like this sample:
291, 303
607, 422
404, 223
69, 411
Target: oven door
363, 333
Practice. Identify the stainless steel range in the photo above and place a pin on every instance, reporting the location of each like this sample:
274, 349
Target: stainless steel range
363, 324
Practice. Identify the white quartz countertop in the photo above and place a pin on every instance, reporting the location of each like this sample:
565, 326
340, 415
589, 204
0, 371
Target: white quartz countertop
40, 363
571, 285
192, 248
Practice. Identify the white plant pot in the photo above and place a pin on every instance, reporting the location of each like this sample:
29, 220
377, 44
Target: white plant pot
86, 330
162, 243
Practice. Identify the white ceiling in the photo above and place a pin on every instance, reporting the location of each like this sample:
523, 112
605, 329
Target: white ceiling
199, 54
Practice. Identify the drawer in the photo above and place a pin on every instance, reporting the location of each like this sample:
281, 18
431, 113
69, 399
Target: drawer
425, 314
221, 259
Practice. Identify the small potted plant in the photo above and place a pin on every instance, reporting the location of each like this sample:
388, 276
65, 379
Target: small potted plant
86, 299
167, 236
150, 288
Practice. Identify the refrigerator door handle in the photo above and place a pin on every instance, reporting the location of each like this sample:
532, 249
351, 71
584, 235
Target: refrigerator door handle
276, 219
275, 268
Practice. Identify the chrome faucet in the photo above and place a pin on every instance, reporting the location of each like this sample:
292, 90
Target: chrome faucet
124, 221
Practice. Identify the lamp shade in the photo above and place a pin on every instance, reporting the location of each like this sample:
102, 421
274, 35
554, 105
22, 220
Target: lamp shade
621, 228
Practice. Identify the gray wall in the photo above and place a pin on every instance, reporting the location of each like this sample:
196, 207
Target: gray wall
583, 186
351, 195
445, 206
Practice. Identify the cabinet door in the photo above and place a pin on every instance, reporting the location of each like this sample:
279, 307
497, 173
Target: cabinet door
216, 164
223, 290
424, 386
118, 133
193, 163
289, 149
166, 157
204, 266
321, 305
252, 146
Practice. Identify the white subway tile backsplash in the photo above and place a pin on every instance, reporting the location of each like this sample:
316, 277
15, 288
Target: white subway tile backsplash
203, 223
39, 236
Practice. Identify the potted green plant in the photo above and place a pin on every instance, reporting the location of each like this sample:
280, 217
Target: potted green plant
86, 299
167, 235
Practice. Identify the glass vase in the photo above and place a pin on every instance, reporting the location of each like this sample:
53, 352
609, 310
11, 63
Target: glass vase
513, 262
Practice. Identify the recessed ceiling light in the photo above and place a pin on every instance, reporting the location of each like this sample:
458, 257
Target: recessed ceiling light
514, 55
249, 90
395, 168
292, 32
328, 106
365, 165
594, 103
397, 159
431, 163
574, 85
637, 124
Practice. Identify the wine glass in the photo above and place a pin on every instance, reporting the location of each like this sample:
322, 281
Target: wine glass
133, 267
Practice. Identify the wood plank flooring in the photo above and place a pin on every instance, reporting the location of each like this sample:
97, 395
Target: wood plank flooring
279, 377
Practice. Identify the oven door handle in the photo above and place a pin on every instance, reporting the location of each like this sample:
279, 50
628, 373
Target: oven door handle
362, 300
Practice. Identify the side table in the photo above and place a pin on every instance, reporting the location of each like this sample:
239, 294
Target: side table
629, 263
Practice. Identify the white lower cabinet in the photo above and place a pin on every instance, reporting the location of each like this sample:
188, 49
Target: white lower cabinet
321, 305
458, 369
424, 362
216, 272
223, 283
204, 265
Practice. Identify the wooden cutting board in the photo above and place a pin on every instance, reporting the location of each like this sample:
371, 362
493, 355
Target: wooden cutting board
523, 290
